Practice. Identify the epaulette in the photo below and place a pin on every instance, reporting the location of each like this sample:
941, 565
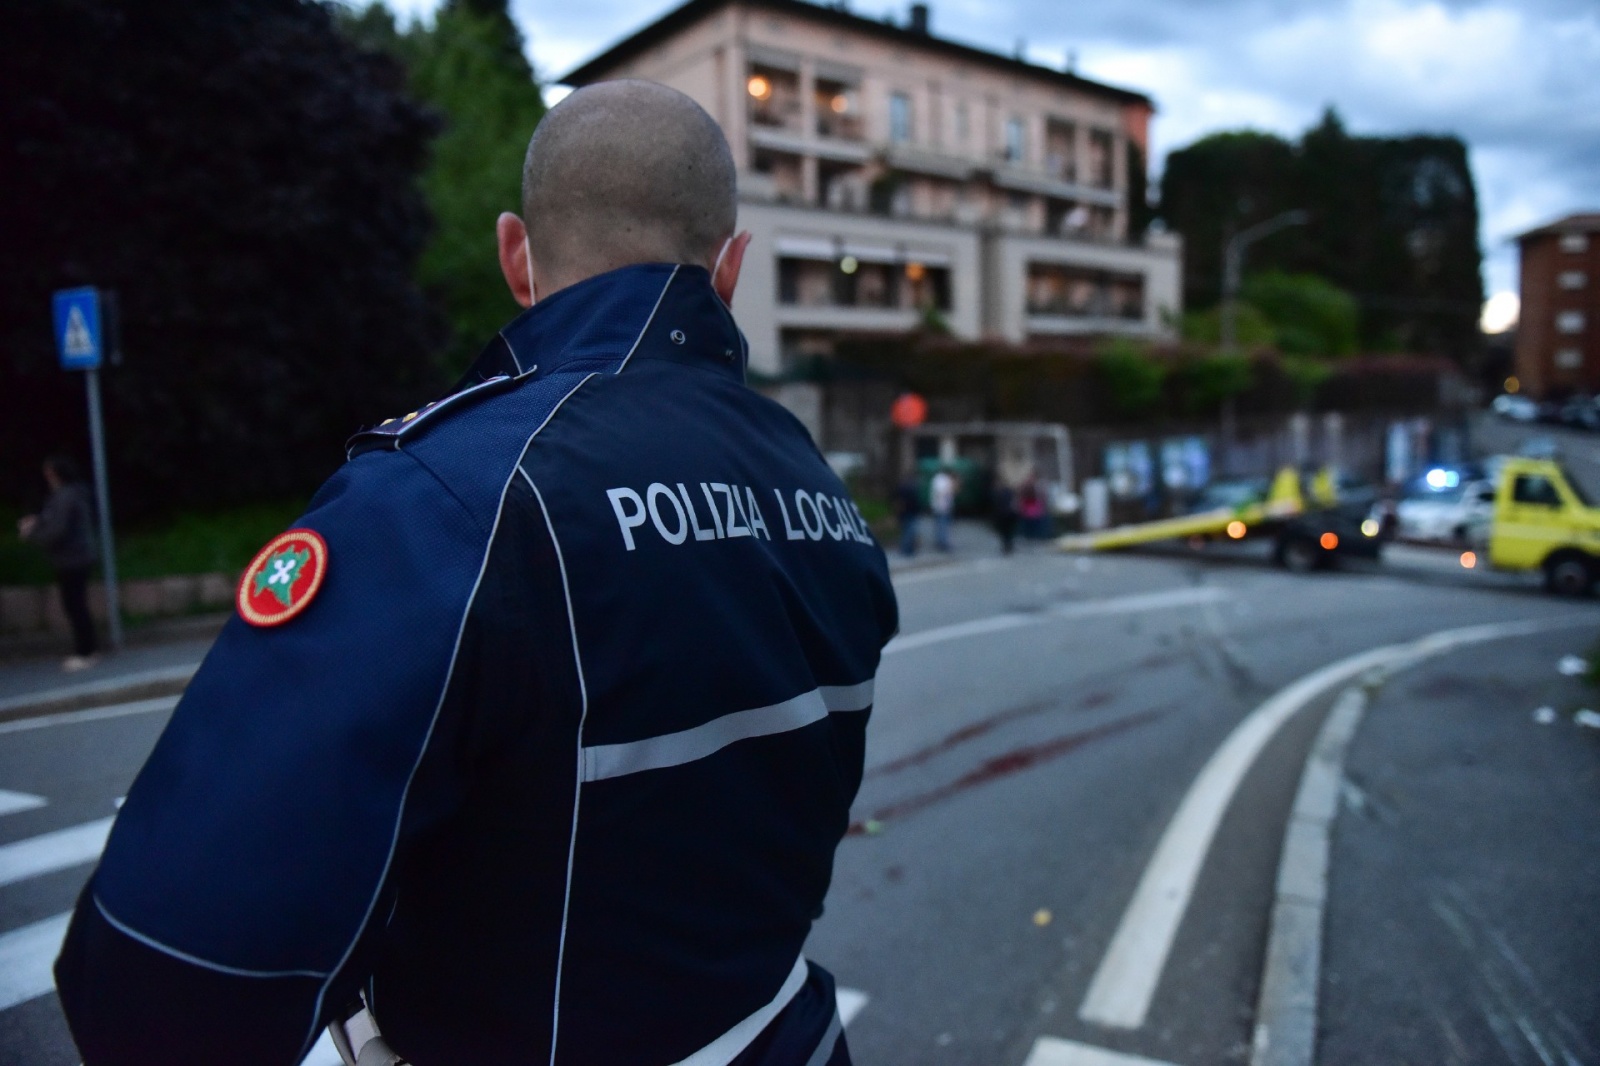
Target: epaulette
389, 433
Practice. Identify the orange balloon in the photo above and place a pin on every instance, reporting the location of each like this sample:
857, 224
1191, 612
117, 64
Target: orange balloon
909, 410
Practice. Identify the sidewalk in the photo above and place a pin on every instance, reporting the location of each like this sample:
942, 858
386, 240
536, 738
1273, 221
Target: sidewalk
159, 664
1463, 875
970, 538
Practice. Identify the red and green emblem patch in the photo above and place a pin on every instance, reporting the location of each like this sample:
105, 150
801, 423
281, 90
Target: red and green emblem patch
282, 579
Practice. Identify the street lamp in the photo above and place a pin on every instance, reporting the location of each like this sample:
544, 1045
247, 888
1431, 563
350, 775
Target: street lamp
1233, 264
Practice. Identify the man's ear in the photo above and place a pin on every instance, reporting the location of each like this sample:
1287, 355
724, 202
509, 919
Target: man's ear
512, 237
727, 278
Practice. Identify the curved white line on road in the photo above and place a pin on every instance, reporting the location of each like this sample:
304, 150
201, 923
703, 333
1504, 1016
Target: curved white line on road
1120, 994
1146, 601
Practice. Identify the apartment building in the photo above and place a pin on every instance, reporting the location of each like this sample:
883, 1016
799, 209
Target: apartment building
888, 175
1558, 327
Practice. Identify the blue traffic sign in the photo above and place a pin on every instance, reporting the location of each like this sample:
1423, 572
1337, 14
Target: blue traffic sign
78, 336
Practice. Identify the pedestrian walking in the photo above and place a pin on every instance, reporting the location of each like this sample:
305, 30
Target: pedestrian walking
64, 528
942, 502
535, 736
908, 513
1031, 510
1003, 507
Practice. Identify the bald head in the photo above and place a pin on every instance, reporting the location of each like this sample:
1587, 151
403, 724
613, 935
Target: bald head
626, 172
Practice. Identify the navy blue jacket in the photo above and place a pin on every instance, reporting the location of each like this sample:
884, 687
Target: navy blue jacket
554, 765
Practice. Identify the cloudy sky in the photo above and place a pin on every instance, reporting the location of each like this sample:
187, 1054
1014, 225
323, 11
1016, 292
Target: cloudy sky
1518, 79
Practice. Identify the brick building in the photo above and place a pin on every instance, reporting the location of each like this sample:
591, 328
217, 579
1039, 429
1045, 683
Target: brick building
1558, 329
885, 173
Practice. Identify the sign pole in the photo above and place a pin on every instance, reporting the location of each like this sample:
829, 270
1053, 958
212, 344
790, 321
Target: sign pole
102, 496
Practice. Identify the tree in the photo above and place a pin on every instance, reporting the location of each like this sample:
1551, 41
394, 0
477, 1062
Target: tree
1308, 315
1132, 377
469, 65
247, 181
1394, 223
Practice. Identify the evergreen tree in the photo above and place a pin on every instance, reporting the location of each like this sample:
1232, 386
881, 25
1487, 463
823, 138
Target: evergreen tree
470, 66
247, 181
1394, 222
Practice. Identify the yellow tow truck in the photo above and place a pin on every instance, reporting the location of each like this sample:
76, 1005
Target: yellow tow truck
1543, 522
1310, 526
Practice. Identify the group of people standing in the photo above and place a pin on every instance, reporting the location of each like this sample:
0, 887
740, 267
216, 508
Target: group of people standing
1013, 510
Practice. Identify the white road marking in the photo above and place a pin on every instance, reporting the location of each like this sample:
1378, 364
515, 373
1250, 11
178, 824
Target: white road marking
1145, 601
50, 852
26, 958
12, 802
850, 1002
1123, 986
93, 714
1048, 1051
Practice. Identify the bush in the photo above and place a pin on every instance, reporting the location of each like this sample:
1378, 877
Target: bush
1133, 379
196, 542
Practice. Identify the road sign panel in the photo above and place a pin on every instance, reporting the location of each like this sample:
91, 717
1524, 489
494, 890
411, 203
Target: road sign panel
78, 336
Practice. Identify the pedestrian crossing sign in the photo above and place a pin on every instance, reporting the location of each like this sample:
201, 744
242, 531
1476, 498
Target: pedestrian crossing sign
78, 335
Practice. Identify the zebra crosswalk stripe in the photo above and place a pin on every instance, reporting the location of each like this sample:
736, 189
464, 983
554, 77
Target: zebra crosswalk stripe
26, 957
49, 852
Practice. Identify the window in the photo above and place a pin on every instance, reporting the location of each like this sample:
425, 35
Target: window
1571, 279
1016, 141
961, 122
899, 118
1083, 292
1536, 490
774, 96
857, 282
838, 109
1060, 149
1569, 322
1574, 242
1569, 359
1100, 158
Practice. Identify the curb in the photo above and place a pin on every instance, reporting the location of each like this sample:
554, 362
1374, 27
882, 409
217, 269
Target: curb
167, 681
1286, 1012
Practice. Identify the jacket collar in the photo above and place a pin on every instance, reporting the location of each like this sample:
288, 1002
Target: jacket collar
653, 311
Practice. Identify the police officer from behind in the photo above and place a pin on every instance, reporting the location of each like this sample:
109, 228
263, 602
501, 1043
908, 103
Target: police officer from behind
539, 730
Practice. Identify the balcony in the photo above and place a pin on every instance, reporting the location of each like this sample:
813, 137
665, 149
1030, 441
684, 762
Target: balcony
774, 97
838, 109
1070, 294
1050, 183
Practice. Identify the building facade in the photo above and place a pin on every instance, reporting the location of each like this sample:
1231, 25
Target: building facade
1558, 327
889, 177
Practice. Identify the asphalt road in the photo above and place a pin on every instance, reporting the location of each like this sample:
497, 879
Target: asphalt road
1041, 721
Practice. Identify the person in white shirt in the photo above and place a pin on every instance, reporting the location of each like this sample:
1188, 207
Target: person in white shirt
942, 502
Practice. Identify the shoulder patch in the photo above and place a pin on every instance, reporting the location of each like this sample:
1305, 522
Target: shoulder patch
283, 578
389, 432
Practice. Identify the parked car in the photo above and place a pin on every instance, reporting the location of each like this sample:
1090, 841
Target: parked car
1580, 413
1516, 408
1455, 515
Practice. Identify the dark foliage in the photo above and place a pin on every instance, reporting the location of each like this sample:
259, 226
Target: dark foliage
470, 68
247, 181
1394, 222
